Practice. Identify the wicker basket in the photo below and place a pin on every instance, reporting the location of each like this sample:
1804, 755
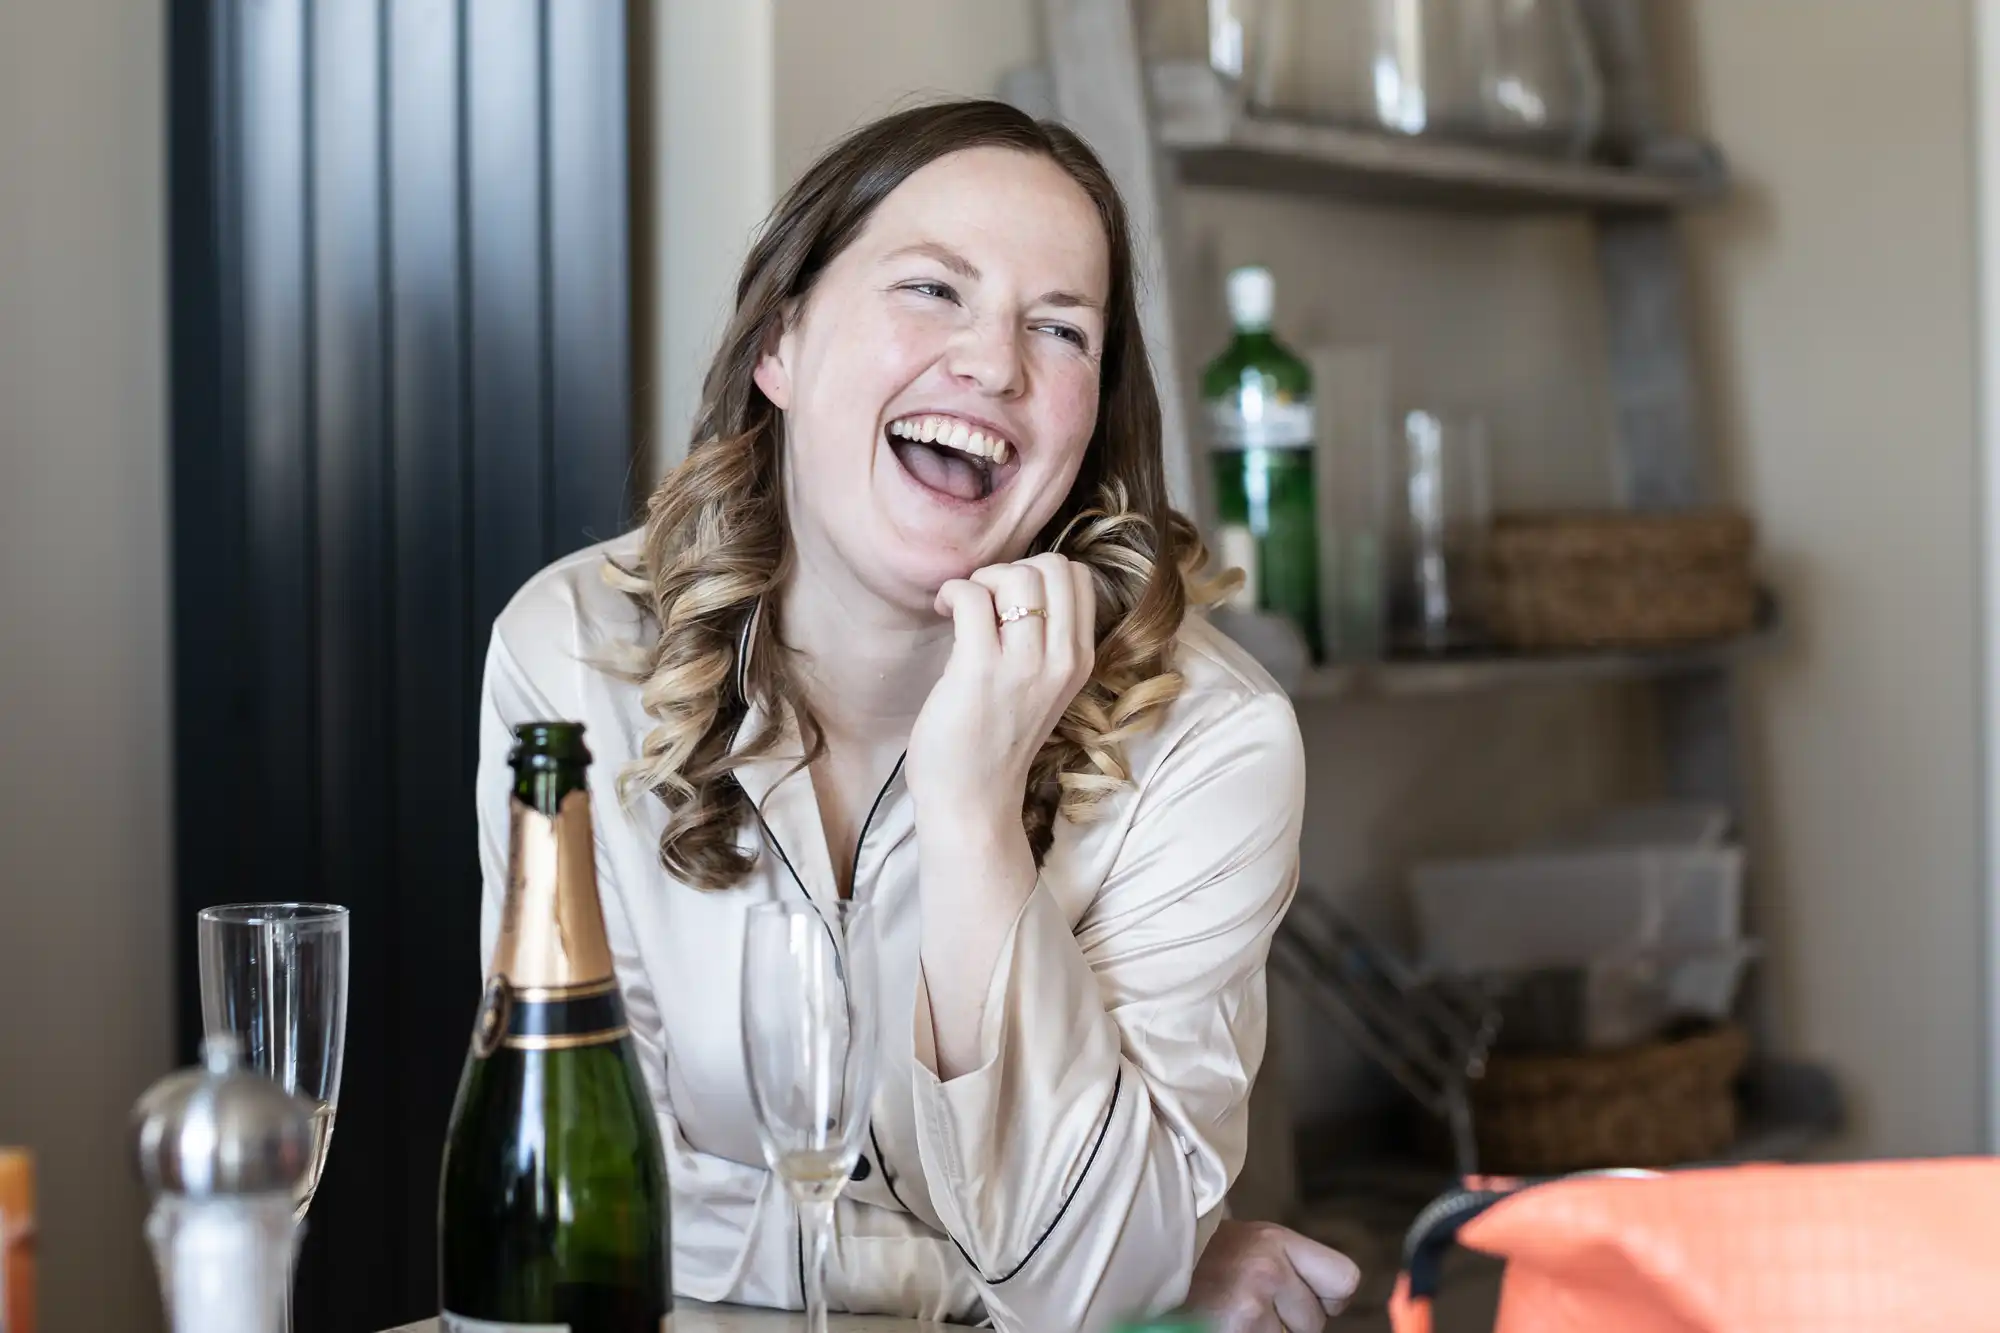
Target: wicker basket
1653, 1105
1563, 581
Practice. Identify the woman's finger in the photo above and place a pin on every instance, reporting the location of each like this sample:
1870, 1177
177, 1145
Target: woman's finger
1332, 1276
1060, 589
1018, 588
1084, 598
1298, 1306
970, 606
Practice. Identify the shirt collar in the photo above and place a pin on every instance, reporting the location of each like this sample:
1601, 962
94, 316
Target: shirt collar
781, 788
761, 776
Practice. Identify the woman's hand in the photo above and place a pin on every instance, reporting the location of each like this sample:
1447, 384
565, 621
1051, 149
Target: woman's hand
1002, 693
1256, 1277
1003, 690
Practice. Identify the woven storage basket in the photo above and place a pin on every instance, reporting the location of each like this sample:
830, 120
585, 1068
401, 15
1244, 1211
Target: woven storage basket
1654, 1105
1610, 580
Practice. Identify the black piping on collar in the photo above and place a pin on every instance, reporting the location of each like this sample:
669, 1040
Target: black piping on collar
745, 637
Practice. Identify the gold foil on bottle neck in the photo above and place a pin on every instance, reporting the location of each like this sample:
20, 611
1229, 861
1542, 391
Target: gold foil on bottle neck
552, 927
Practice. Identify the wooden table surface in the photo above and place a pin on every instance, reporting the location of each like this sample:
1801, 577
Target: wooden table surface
694, 1317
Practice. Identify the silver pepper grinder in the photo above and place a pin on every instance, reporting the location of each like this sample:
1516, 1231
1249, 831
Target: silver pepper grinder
221, 1150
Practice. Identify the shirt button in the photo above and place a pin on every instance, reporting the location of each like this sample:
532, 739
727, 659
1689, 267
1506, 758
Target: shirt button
861, 1170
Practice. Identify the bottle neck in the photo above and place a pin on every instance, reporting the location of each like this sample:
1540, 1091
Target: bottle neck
1255, 335
551, 924
541, 782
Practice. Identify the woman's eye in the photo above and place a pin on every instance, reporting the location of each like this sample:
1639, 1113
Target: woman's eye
1074, 336
936, 290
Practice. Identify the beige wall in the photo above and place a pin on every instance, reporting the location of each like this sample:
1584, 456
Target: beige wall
84, 873
710, 83
744, 95
843, 62
1837, 297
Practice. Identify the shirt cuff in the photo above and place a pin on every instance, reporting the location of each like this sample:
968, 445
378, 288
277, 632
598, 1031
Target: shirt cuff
992, 1018
1047, 1052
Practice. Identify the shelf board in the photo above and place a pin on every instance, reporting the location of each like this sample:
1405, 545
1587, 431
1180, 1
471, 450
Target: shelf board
1202, 126
1255, 152
1407, 679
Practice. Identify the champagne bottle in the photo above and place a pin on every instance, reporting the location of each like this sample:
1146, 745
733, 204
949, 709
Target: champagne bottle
553, 1210
1261, 438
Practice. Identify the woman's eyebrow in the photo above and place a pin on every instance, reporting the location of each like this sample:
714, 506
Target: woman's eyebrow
965, 268
944, 254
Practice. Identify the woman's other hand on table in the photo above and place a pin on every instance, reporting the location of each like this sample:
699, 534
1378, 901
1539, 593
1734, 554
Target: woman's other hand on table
1256, 1277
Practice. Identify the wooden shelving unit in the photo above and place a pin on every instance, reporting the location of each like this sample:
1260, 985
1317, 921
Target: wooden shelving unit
1158, 129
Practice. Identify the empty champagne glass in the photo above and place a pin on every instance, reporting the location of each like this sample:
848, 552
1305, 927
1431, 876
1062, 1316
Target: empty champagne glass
809, 1036
274, 976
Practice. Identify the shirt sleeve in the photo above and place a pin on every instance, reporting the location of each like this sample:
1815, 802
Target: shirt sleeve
728, 1229
1083, 1165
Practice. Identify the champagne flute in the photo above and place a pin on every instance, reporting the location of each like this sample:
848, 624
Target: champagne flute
809, 1037
274, 976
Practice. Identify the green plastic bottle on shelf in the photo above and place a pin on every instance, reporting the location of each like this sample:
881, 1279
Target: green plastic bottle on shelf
1259, 400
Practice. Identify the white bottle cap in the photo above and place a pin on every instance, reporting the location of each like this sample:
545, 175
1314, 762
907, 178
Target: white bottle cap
1252, 294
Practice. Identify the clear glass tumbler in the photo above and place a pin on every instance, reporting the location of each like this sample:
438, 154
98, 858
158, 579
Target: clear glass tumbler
1439, 527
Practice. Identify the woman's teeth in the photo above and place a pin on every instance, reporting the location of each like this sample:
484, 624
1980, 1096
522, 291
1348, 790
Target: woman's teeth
952, 434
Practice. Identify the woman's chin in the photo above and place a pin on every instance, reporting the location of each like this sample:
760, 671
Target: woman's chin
921, 573
907, 572
930, 544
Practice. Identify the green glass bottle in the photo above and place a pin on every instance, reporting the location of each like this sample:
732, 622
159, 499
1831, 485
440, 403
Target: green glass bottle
1261, 442
553, 1210
1179, 1321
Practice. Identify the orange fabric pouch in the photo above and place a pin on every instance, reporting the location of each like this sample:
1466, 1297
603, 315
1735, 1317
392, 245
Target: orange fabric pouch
1870, 1247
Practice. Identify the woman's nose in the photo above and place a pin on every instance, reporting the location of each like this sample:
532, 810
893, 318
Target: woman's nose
986, 354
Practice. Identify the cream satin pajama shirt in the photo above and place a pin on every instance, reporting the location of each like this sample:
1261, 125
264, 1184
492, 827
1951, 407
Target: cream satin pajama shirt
1069, 1180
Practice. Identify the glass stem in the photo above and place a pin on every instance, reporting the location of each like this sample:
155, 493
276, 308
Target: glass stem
816, 1216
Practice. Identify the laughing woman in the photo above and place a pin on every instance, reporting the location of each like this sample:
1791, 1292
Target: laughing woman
914, 623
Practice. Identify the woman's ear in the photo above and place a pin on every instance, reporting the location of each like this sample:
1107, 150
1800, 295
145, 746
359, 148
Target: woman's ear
773, 374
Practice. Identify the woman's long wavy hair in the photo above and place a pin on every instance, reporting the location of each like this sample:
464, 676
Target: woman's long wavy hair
717, 538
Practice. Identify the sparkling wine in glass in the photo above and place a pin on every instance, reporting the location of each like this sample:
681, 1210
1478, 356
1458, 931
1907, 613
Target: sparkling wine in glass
274, 975
809, 1038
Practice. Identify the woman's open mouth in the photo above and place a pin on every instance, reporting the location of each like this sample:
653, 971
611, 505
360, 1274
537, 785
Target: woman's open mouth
952, 457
